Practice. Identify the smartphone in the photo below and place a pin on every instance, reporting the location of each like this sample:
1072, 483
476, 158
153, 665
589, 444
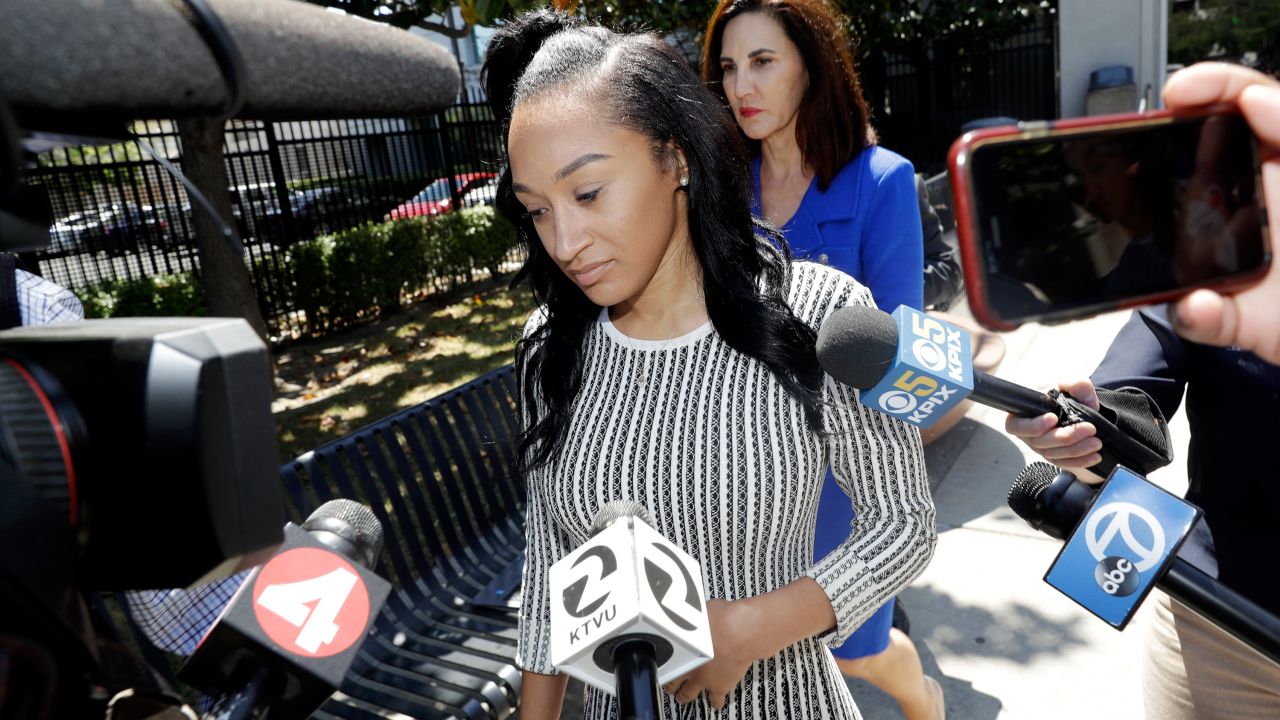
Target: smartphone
1070, 218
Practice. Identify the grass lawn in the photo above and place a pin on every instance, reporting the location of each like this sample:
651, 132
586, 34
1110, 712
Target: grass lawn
328, 387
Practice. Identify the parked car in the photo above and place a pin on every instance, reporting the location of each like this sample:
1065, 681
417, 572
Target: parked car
68, 234
116, 228
481, 195
127, 226
436, 199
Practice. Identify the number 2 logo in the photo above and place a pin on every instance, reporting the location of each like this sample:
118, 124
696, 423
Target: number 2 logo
311, 602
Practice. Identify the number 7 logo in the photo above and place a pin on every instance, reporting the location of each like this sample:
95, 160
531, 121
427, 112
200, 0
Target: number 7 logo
311, 602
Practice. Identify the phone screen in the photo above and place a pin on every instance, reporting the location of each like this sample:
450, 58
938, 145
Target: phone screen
1098, 218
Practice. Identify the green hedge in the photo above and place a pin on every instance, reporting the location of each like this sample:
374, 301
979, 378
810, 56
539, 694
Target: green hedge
160, 296
365, 271
337, 279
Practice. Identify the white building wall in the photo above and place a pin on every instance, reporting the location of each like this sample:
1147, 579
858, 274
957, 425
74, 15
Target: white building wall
1095, 33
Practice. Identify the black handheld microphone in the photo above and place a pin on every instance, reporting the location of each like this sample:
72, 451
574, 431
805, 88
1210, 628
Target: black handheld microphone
859, 346
1053, 501
287, 638
914, 367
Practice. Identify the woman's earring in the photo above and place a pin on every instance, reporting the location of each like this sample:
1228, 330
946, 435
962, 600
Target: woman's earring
684, 181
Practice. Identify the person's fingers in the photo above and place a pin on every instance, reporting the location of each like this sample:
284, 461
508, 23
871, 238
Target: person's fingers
688, 692
1083, 391
1082, 454
1062, 437
1260, 105
673, 687
1029, 427
717, 699
1209, 83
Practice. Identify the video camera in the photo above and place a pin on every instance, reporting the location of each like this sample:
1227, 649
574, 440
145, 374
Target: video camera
141, 453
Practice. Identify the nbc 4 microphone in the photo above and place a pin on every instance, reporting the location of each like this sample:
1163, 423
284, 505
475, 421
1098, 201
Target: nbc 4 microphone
628, 611
288, 636
917, 368
1121, 538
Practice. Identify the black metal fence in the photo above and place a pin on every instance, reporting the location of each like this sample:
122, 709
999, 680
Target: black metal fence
940, 86
118, 215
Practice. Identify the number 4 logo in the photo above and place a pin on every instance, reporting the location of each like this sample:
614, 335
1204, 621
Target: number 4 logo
311, 602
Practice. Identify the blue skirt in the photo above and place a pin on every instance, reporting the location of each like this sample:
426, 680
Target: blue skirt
835, 514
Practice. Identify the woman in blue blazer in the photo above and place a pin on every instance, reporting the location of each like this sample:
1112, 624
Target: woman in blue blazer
784, 69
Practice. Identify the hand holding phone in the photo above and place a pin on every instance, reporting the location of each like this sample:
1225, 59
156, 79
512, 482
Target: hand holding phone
1066, 219
1249, 319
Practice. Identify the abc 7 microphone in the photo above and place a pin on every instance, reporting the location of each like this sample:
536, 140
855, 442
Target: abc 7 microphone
288, 636
1120, 541
628, 611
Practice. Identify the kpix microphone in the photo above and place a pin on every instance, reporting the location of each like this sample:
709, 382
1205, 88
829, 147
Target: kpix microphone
916, 368
627, 611
1123, 529
288, 636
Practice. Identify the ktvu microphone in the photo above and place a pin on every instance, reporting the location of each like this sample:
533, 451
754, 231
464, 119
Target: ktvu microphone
288, 636
913, 366
628, 611
1121, 541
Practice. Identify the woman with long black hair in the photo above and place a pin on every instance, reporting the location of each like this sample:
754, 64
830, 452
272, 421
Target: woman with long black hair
672, 362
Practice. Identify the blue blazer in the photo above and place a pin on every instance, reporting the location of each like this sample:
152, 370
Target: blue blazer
866, 223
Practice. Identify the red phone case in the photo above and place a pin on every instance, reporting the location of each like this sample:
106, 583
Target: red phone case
963, 206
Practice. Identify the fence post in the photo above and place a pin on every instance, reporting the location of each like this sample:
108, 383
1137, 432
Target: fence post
446, 151
287, 224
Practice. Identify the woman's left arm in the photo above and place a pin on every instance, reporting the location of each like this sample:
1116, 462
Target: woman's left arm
892, 246
879, 462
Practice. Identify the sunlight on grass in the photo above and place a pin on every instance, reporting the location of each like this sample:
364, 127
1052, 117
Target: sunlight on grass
332, 386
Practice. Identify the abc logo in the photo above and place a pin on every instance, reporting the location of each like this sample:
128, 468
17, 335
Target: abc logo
1143, 545
1117, 576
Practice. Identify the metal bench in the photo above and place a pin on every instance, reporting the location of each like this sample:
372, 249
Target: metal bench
438, 476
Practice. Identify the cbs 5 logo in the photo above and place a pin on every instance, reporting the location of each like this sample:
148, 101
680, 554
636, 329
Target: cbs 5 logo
931, 335
911, 386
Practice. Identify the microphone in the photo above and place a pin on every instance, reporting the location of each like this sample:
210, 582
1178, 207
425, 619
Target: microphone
917, 368
288, 636
1055, 502
627, 611
914, 366
119, 61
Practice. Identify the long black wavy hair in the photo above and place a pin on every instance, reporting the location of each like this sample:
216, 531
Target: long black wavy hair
644, 86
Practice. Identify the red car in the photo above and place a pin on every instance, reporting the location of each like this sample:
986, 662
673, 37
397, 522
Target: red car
435, 198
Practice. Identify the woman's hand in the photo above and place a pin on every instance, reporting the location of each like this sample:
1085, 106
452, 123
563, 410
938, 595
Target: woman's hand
734, 628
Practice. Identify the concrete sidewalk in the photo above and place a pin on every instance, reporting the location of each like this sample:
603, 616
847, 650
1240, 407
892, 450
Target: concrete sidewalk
1002, 642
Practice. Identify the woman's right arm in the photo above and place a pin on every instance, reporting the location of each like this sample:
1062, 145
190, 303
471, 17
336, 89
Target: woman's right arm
542, 696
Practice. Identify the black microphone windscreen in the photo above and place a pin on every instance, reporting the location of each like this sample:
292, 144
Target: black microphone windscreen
351, 520
618, 509
857, 344
1024, 494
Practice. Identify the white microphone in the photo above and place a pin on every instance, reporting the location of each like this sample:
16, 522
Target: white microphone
628, 610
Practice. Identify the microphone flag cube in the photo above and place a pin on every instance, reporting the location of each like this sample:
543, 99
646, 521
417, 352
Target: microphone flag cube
627, 581
1122, 546
931, 373
306, 612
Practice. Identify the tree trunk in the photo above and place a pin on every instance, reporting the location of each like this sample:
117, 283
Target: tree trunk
228, 289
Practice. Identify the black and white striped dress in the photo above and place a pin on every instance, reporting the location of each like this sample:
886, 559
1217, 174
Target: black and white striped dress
722, 457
